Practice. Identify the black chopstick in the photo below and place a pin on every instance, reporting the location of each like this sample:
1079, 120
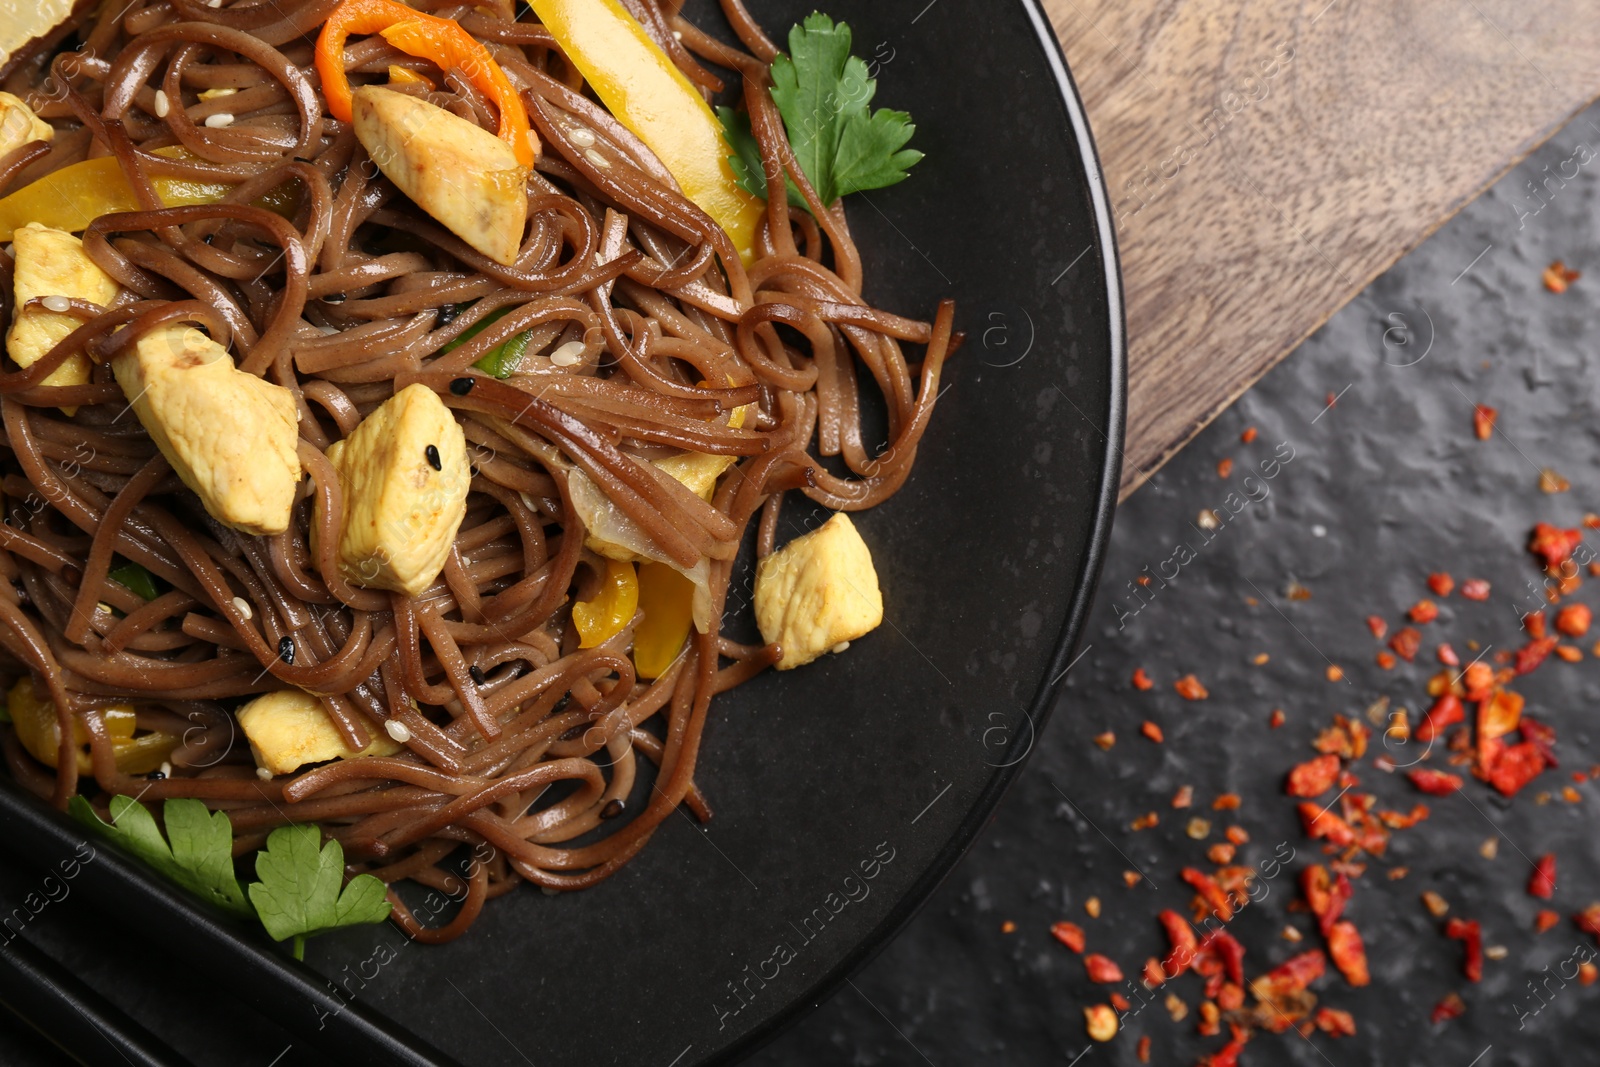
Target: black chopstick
71, 1016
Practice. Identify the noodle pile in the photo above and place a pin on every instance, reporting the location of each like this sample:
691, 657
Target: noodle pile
557, 759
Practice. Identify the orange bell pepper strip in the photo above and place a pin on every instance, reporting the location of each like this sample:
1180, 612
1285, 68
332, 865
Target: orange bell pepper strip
428, 37
667, 600
600, 619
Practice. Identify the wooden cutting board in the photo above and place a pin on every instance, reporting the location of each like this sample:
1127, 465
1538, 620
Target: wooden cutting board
1268, 158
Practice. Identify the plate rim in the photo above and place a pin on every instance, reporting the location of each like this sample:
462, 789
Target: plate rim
1087, 581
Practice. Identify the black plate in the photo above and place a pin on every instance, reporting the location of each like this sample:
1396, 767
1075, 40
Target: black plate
844, 791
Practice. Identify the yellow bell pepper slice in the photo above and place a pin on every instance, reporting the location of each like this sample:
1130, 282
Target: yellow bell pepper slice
667, 600
603, 617
77, 194
652, 98
34, 719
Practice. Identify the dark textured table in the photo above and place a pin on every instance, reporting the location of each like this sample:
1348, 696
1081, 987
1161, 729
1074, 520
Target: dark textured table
1382, 488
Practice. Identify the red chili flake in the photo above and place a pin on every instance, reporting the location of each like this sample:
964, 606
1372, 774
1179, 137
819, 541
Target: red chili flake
1569, 653
1184, 943
1516, 766
1183, 797
1553, 544
1588, 920
1346, 737
1227, 949
1470, 934
1406, 642
1447, 656
1542, 736
1573, 620
1451, 1007
1105, 740
1145, 821
1230, 997
1335, 1023
1552, 481
1152, 731
1069, 934
1478, 677
1587, 973
1386, 660
1217, 901
1441, 583
1378, 627
1153, 977
1395, 820
1423, 611
1189, 688
1545, 920
1348, 953
1298, 972
1446, 711
1102, 969
1249, 434
1237, 835
1275, 720
1483, 417
1313, 777
1558, 277
1141, 680
1325, 895
1475, 589
1542, 883
1320, 823
1434, 783
1534, 623
1120, 1002
1224, 467
1220, 853
1144, 1049
1226, 802
1500, 714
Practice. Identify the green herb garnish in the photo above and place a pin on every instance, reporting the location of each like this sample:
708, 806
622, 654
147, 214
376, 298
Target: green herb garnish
199, 856
504, 358
302, 890
823, 94
135, 578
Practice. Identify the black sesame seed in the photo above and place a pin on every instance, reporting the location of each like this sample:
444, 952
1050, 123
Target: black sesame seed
614, 807
462, 386
209, 238
477, 674
432, 452
155, 776
448, 313
334, 298
286, 649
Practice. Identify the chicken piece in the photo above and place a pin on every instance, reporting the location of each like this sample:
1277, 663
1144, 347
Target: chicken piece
19, 125
818, 593
229, 435
456, 171
290, 728
52, 262
404, 476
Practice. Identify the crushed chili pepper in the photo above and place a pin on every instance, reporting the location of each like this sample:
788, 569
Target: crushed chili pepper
1446, 711
1447, 655
1569, 653
1069, 934
1237, 835
1477, 678
1441, 583
1574, 619
1220, 853
1325, 895
1153, 978
1275, 720
1105, 740
1531, 655
1423, 612
1434, 783
1515, 766
1210, 1023
1313, 777
1587, 973
1542, 883
1146, 821
1386, 660
1152, 731
1588, 920
1542, 737
1102, 969
1143, 1050
1553, 544
1483, 417
1141, 680
1558, 277
1378, 627
1451, 1007
1224, 467
1214, 900
1184, 943
1347, 737
1226, 802
1437, 906
1335, 1023
1406, 642
1475, 589
1545, 920
1348, 952
1189, 688
1534, 623
1320, 823
1551, 481
1183, 797
1120, 1002
1470, 934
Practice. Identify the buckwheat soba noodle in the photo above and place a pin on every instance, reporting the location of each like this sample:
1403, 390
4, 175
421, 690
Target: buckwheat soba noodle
349, 481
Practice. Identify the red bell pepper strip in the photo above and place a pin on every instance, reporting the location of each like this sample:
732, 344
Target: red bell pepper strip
428, 37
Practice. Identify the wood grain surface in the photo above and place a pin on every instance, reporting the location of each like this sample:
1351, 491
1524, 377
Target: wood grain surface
1268, 158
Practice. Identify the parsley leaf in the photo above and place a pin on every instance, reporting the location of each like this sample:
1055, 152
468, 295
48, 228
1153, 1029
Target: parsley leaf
199, 857
824, 95
299, 893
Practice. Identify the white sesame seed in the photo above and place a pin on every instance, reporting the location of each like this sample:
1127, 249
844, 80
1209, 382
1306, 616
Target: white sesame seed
263, 774
244, 608
840, 647
103, 606
166, 770
597, 159
219, 120
528, 502
213, 3
1319, 530
163, 105
398, 730
533, 140
677, 35
327, 331
56, 303
568, 354
583, 136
